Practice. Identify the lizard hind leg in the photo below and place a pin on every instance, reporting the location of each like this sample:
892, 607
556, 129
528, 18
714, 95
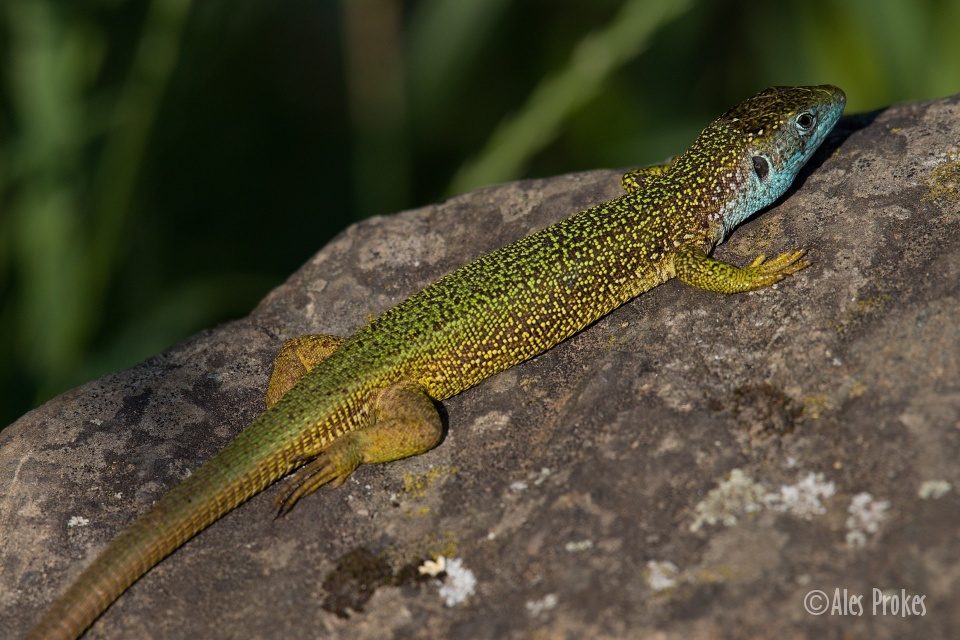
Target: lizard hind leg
295, 359
405, 422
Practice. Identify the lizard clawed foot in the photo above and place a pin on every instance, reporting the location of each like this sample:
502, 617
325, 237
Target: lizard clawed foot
700, 270
772, 271
333, 466
785, 263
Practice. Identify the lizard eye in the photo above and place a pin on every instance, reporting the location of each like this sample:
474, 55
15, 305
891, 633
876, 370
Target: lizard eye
805, 122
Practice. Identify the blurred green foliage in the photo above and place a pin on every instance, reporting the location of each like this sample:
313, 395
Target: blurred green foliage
164, 163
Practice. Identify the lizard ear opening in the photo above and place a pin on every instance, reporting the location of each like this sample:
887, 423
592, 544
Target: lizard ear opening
761, 167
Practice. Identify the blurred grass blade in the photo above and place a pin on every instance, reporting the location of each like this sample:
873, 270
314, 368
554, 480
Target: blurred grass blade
444, 38
558, 96
134, 113
45, 76
373, 44
64, 258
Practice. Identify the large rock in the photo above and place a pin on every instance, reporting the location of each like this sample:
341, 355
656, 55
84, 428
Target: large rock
690, 466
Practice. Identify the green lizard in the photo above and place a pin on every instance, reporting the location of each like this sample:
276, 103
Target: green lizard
333, 403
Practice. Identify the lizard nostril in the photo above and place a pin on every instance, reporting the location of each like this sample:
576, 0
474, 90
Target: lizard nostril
762, 167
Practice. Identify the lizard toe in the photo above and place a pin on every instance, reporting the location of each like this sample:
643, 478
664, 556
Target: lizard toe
333, 466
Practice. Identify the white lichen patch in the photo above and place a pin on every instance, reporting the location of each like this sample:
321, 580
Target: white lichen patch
578, 545
536, 607
407, 246
519, 486
492, 421
542, 476
77, 521
933, 489
866, 516
737, 495
802, 499
535, 479
459, 584
661, 575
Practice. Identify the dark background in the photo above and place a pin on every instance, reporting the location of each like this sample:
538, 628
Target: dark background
164, 163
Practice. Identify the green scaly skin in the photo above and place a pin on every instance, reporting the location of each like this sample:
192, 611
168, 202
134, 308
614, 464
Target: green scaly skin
334, 404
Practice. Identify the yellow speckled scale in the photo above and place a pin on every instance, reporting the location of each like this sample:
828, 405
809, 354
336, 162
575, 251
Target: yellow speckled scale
334, 404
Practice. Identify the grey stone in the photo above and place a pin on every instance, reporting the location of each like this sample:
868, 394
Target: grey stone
688, 467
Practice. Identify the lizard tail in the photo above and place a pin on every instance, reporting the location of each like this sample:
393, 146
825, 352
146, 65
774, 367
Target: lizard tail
244, 468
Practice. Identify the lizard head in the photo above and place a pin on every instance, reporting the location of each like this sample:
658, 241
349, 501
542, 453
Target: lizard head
778, 130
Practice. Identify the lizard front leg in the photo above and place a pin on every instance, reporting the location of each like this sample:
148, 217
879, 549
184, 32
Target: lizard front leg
697, 269
295, 359
405, 422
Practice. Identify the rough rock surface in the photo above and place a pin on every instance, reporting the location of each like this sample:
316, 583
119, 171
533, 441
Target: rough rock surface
689, 467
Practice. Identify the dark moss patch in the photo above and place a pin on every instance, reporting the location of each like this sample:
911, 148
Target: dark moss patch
357, 576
